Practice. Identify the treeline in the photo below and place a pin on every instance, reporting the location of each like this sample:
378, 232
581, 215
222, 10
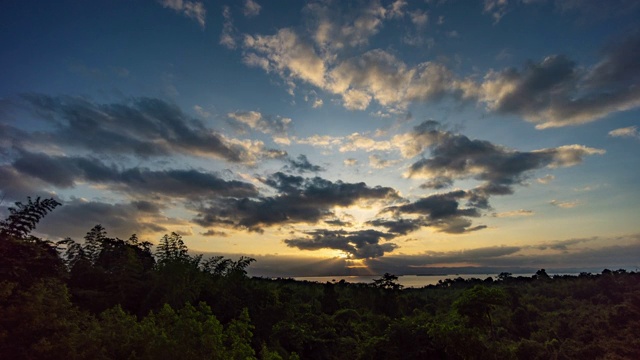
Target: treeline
108, 298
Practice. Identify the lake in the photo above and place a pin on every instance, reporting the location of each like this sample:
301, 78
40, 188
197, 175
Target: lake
408, 281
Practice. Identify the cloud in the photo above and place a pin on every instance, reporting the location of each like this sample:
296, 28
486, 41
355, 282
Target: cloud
557, 92
67, 172
251, 8
333, 29
399, 226
302, 164
350, 162
631, 131
438, 182
257, 121
546, 179
560, 256
357, 141
200, 111
375, 75
564, 204
553, 92
442, 211
285, 54
419, 18
376, 162
214, 233
324, 141
363, 244
76, 217
228, 34
194, 10
299, 200
497, 9
455, 156
145, 127
14, 186
513, 213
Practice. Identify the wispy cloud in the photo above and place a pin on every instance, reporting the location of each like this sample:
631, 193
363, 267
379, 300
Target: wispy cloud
564, 204
194, 10
631, 131
228, 34
514, 213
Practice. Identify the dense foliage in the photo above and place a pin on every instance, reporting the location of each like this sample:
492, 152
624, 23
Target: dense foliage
107, 298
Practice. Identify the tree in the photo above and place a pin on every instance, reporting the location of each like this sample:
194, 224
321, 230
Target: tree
387, 281
25, 258
24, 217
172, 248
477, 304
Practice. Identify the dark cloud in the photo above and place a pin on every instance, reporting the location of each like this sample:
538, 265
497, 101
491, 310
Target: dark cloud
362, 244
66, 171
214, 233
399, 226
455, 156
62, 171
338, 222
74, 218
437, 183
14, 186
302, 164
299, 200
441, 211
142, 126
557, 92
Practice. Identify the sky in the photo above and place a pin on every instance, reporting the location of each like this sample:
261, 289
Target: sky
332, 137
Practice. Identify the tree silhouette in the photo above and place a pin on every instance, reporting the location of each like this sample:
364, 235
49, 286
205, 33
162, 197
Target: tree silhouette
24, 217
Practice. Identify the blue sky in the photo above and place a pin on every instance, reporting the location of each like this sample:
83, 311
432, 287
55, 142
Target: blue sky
332, 137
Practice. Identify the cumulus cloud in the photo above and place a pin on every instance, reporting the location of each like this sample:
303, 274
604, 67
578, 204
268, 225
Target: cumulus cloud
631, 131
553, 92
285, 54
557, 92
376, 75
145, 127
361, 244
455, 156
194, 10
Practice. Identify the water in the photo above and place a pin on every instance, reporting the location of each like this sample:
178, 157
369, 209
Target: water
407, 281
